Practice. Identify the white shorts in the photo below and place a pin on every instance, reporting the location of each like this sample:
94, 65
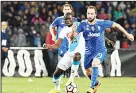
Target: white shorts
66, 61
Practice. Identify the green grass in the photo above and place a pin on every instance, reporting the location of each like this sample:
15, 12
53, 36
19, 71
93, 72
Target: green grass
43, 85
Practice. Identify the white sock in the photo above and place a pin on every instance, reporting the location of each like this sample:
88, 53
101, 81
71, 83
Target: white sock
73, 73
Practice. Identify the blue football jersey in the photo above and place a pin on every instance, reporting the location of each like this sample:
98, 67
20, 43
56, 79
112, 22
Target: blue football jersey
94, 34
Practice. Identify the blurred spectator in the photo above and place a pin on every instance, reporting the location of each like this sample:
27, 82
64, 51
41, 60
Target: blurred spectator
102, 14
118, 13
132, 17
20, 40
20, 14
37, 17
37, 40
43, 14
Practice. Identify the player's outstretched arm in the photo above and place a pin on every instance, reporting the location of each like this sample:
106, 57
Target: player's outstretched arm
119, 27
52, 33
54, 46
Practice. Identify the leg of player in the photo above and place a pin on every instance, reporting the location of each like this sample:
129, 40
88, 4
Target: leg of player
94, 76
74, 67
58, 74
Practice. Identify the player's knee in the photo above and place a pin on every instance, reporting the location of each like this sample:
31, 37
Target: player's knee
96, 62
77, 56
58, 72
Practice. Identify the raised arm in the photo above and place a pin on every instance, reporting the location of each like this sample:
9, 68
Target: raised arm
119, 27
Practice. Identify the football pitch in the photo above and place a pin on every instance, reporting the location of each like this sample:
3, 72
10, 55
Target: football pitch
44, 84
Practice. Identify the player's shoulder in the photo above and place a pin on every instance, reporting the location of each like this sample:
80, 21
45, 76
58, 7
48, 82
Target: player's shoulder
60, 17
100, 21
84, 21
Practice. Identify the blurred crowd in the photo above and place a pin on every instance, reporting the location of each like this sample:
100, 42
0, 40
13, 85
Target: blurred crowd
28, 22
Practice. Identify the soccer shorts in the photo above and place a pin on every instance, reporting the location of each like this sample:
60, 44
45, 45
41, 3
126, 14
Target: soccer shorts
66, 61
89, 58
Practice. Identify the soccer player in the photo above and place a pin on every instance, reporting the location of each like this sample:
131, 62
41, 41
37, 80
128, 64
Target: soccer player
57, 25
93, 32
72, 57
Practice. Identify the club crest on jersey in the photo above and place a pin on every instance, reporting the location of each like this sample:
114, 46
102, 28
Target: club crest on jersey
92, 28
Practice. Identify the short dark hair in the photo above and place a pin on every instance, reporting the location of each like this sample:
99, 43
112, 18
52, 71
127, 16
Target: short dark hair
67, 14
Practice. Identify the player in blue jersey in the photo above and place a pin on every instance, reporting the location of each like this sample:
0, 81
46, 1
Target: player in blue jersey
59, 23
93, 32
72, 57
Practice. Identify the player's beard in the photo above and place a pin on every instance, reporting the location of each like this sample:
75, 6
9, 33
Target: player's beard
91, 20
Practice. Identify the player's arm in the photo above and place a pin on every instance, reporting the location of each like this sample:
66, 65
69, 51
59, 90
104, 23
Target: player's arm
76, 27
119, 27
52, 33
52, 28
58, 42
54, 46
73, 32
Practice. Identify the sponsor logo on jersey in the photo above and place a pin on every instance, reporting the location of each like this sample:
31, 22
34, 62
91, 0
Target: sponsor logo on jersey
94, 34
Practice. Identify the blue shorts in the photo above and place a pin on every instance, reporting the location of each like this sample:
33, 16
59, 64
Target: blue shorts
89, 58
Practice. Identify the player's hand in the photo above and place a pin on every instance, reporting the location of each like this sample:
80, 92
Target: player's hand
73, 27
54, 38
130, 37
45, 45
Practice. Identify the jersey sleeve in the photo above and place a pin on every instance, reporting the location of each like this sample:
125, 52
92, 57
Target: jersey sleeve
62, 33
107, 23
80, 27
55, 22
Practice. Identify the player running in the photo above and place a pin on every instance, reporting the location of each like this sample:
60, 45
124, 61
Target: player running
72, 57
93, 32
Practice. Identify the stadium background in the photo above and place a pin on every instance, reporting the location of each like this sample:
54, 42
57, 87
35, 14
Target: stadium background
28, 26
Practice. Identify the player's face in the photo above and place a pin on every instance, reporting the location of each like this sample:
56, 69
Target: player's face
67, 9
91, 15
69, 20
4, 25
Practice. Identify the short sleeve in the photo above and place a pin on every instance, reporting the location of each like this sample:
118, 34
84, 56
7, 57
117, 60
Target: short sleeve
55, 22
108, 23
80, 27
